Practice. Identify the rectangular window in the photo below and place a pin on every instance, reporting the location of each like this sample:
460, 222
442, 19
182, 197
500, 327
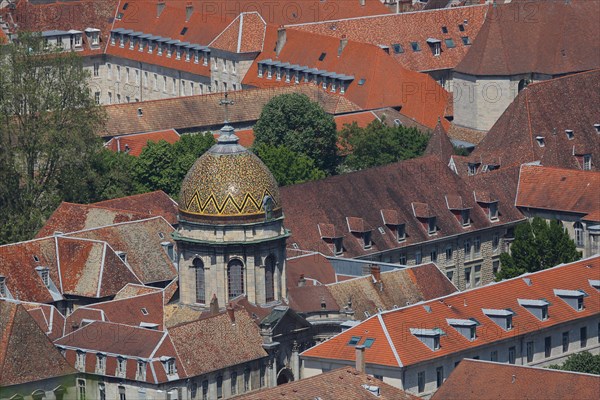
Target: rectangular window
495, 266
529, 351
494, 355
468, 277
219, 387
493, 211
174, 86
122, 393
418, 257
354, 340
261, 376
137, 76
118, 73
583, 336
450, 275
96, 69
247, 380
80, 361
449, 43
565, 341
495, 242
477, 275
433, 255
449, 255
126, 74
121, 365
548, 346
512, 353
467, 249
101, 391
587, 162
402, 259
234, 378
100, 363
466, 41
109, 71
141, 371
477, 246
415, 46
145, 79
439, 373
421, 381
80, 389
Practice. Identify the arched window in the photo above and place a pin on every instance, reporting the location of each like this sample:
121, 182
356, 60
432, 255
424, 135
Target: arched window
200, 281
235, 278
578, 234
270, 278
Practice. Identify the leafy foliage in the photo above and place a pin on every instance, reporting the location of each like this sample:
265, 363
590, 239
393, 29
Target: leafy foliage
301, 125
538, 245
584, 362
47, 132
379, 144
287, 166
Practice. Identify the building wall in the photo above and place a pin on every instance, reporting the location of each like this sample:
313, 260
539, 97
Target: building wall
48, 386
227, 71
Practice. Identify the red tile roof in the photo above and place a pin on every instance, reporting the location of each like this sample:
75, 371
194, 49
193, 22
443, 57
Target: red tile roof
141, 241
547, 109
402, 348
151, 204
429, 181
548, 37
26, 353
343, 383
420, 97
48, 318
476, 379
70, 217
440, 145
558, 189
215, 343
245, 34
204, 111
308, 299
134, 144
362, 119
412, 27
314, 267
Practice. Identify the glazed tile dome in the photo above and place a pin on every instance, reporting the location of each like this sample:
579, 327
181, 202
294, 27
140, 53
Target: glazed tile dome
226, 182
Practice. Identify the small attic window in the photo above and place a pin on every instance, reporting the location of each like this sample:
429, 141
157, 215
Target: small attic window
120, 16
354, 340
593, 283
338, 246
2, 286
540, 141
125, 6
464, 217
431, 225
144, 311
368, 342
183, 31
44, 274
415, 46
429, 337
449, 43
398, 48
444, 29
466, 41
161, 235
36, 259
122, 255
466, 327
461, 27
401, 232
570, 134
574, 298
367, 240
539, 308
322, 56
597, 127
502, 318
362, 81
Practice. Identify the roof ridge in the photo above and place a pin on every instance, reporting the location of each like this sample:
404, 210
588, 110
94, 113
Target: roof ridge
389, 339
112, 225
6, 334
137, 134
529, 124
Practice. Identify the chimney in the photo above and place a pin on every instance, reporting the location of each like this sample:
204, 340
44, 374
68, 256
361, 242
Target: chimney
301, 281
231, 313
189, 10
160, 6
360, 358
281, 37
214, 305
343, 43
376, 273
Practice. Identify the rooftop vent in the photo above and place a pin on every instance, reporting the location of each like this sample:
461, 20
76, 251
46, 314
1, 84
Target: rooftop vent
540, 141
570, 134
597, 127
122, 255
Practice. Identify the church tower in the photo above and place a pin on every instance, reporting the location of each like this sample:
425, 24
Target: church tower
231, 239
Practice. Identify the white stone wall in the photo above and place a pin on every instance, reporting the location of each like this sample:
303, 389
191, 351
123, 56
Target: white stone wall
47, 386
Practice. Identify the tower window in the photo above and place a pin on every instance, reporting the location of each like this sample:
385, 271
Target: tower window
235, 278
270, 278
200, 281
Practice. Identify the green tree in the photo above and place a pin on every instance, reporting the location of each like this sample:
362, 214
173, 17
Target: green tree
537, 245
287, 166
294, 121
379, 144
162, 166
48, 123
584, 362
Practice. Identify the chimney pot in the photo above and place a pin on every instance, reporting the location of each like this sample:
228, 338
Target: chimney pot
360, 358
376, 273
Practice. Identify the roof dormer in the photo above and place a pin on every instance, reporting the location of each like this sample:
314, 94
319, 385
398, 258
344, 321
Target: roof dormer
574, 298
595, 283
501, 317
391, 218
488, 203
539, 308
332, 238
460, 209
426, 216
429, 337
466, 327
359, 228
4, 292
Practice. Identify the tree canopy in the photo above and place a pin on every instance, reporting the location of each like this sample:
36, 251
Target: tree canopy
287, 166
379, 144
584, 362
300, 124
48, 123
537, 245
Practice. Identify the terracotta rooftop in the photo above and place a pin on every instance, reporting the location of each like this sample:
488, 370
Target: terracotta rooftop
156, 203
362, 119
398, 33
534, 126
314, 267
216, 342
204, 112
48, 318
548, 37
558, 189
26, 353
141, 241
439, 144
396, 346
308, 206
397, 289
245, 34
134, 144
343, 383
476, 379
420, 97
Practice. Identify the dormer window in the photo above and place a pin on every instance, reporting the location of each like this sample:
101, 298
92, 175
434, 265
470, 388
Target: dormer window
595, 283
100, 363
574, 298
169, 364
121, 367
159, 49
122, 255
429, 337
539, 308
570, 134
540, 141
502, 318
358, 228
587, 162
278, 74
113, 39
493, 211
401, 232
260, 70
169, 248
3, 290
466, 41
141, 46
96, 39
597, 128
122, 41
473, 168
80, 360
466, 327
338, 246
431, 226
196, 57
131, 43
178, 54
464, 217
141, 370
367, 240
436, 46
44, 275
